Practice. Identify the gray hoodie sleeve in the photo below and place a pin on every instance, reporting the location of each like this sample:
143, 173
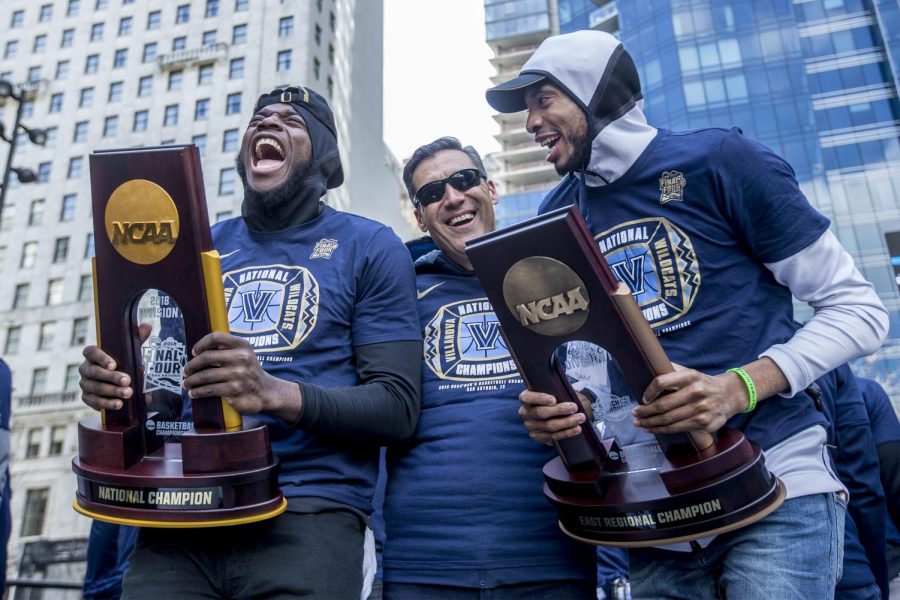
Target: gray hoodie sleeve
849, 319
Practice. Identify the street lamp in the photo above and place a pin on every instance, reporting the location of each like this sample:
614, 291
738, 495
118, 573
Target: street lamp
35, 136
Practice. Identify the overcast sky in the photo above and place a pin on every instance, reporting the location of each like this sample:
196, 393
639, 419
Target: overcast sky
436, 70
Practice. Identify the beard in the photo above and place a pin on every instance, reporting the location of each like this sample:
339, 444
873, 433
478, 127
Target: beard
286, 192
581, 151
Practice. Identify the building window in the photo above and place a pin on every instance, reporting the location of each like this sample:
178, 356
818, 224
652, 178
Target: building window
46, 334
110, 126
222, 215
284, 61
316, 67
79, 332
38, 381
34, 73
212, 8
33, 444
331, 21
209, 38
175, 78
153, 20
56, 103
145, 85
101, 4
72, 8
61, 250
51, 137
85, 288
91, 63
140, 120
125, 26
183, 13
68, 36
171, 115
36, 214
67, 211
45, 13
18, 17
318, 35
58, 432
35, 508
75, 167
239, 35
54, 292
285, 26
120, 58
62, 69
241, 5
11, 47
86, 97
236, 68
89, 246
80, 131
13, 337
115, 91
331, 54
29, 254
20, 298
96, 32
233, 103
43, 175
230, 140
40, 44
330, 87
201, 109
179, 43
226, 182
200, 142
149, 52
204, 74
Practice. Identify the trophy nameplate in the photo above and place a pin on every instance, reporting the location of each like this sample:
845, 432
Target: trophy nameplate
549, 286
151, 232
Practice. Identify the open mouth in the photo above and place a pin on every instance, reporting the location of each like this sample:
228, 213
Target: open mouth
267, 154
461, 219
549, 142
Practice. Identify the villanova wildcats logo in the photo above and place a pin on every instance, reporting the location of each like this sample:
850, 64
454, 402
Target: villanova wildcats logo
463, 343
656, 260
273, 307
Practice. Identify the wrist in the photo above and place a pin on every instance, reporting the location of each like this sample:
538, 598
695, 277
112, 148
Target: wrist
746, 390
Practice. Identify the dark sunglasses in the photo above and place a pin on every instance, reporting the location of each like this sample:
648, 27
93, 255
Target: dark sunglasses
463, 180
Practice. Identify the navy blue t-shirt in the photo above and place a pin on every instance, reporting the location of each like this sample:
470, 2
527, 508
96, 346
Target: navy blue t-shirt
304, 297
688, 228
464, 503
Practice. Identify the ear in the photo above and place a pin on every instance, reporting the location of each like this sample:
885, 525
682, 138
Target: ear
492, 191
421, 222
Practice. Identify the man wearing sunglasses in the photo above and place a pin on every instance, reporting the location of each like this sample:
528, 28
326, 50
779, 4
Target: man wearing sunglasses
334, 375
463, 510
713, 235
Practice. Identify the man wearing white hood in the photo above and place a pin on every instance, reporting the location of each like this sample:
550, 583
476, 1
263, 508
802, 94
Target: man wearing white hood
712, 234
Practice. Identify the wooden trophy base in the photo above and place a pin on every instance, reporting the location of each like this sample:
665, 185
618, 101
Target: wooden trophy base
649, 501
207, 480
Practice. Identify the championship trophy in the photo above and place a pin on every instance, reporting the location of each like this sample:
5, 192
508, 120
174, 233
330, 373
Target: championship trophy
613, 484
136, 466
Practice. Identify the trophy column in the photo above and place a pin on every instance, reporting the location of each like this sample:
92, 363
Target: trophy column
152, 233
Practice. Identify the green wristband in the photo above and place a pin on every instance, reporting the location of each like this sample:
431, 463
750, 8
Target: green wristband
751, 389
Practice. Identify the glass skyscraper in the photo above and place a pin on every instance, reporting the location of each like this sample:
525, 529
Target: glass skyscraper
815, 80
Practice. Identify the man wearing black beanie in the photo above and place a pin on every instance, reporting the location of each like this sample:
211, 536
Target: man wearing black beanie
324, 347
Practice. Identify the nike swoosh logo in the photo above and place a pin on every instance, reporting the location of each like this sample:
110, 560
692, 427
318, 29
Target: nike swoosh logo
422, 294
230, 253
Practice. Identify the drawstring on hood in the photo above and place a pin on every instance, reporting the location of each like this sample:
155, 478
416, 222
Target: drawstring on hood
598, 74
299, 200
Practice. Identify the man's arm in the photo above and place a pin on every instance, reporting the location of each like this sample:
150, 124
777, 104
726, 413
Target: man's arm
383, 407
